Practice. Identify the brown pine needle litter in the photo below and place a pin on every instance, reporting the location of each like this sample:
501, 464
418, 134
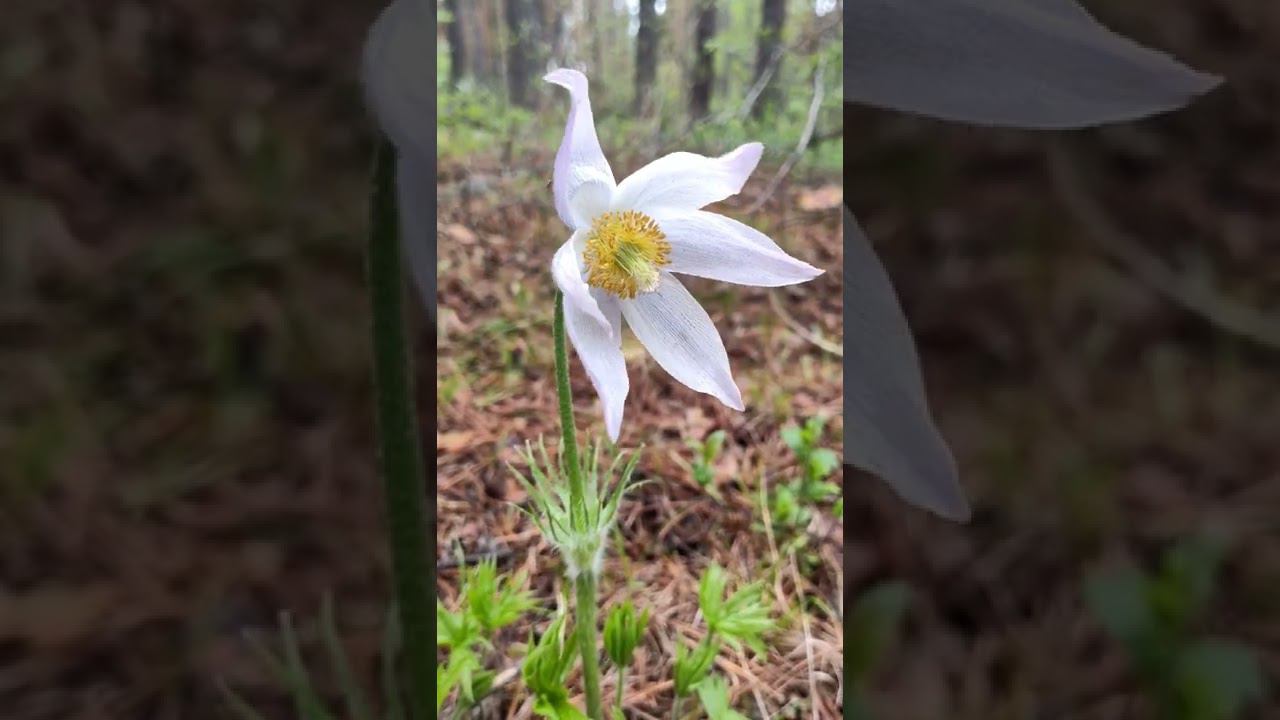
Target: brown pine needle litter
496, 295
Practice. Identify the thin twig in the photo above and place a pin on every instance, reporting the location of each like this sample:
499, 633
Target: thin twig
757, 87
761, 82
802, 331
755, 687
808, 636
805, 136
1234, 317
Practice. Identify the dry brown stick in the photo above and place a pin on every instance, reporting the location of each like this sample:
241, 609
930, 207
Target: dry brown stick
805, 136
808, 636
755, 686
1222, 312
800, 330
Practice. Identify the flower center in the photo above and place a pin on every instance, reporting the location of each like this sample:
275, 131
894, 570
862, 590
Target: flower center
624, 252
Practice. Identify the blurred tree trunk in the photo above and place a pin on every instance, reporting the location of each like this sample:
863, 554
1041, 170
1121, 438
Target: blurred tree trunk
553, 29
521, 32
594, 27
769, 43
478, 25
646, 56
456, 34
704, 61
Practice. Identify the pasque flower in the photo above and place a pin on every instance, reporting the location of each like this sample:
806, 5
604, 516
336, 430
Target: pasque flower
1041, 64
628, 241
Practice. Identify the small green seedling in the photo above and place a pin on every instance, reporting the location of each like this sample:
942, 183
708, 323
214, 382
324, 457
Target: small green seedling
790, 505
816, 462
488, 602
713, 693
873, 627
1188, 676
705, 454
623, 630
544, 671
740, 619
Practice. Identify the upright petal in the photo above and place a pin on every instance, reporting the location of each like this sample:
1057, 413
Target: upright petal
566, 271
687, 181
399, 88
679, 335
583, 181
720, 248
1021, 63
888, 430
600, 350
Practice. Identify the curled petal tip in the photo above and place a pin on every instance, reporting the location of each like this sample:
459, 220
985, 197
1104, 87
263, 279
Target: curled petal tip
573, 80
744, 160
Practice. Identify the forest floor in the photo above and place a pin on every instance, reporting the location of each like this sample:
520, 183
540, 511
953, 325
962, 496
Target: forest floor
496, 390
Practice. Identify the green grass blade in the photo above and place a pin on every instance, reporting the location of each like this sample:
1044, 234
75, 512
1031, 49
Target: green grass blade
307, 701
239, 706
357, 704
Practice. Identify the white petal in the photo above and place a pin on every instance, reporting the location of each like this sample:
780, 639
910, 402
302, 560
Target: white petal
583, 178
687, 181
679, 335
600, 350
887, 428
720, 248
399, 90
566, 270
1021, 63
416, 200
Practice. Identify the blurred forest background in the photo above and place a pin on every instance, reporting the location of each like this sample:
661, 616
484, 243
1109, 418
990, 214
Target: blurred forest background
699, 72
185, 418
756, 492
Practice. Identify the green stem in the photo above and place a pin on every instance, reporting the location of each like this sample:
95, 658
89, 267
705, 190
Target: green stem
585, 583
622, 684
675, 707
569, 442
399, 442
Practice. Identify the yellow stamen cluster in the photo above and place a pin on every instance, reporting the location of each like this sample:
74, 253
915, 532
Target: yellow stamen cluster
624, 252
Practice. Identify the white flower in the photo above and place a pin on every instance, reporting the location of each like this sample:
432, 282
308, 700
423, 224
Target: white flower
629, 239
1042, 64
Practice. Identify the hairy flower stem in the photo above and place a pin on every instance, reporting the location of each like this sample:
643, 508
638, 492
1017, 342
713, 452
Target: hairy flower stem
585, 585
675, 707
400, 452
569, 443
585, 582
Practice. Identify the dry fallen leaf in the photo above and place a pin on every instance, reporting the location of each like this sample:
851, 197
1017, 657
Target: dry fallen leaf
460, 234
826, 197
452, 442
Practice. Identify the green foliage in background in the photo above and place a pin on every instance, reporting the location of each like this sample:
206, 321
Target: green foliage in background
1156, 616
475, 118
872, 627
488, 602
290, 671
791, 503
705, 454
